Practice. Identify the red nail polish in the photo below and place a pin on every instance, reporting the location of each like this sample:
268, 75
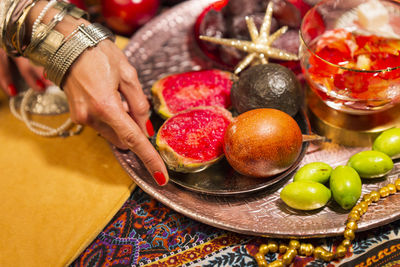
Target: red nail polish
12, 90
40, 83
160, 178
149, 128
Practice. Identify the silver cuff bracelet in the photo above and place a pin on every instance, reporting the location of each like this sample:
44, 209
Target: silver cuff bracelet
84, 37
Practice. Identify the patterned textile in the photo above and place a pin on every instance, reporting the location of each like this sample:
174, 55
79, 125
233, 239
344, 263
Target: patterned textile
146, 233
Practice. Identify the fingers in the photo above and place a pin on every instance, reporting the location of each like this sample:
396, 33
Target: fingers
108, 133
39, 73
132, 137
95, 96
6, 82
30, 75
139, 106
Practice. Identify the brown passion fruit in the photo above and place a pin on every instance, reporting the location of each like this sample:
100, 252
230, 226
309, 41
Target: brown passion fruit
262, 142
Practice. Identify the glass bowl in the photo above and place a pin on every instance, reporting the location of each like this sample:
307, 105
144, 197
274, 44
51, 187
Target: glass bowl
349, 54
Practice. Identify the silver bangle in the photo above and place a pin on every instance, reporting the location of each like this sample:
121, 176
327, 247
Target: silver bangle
41, 15
40, 35
6, 39
85, 37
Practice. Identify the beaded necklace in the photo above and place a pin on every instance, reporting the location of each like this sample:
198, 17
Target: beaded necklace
52, 102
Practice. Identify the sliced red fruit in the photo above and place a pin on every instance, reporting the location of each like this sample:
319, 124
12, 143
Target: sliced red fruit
193, 140
178, 92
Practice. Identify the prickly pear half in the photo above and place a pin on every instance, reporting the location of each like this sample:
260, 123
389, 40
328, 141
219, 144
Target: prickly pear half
192, 140
178, 92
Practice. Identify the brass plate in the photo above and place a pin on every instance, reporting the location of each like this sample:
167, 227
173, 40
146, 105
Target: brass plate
166, 45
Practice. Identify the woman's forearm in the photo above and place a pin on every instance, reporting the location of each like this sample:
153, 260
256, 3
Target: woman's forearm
66, 26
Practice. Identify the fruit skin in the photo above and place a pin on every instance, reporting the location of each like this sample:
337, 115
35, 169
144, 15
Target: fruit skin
305, 195
262, 142
316, 171
180, 163
345, 184
267, 86
388, 142
125, 16
371, 164
193, 89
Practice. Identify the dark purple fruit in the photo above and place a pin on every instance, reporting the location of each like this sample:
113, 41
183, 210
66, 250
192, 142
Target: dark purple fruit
241, 8
171, 2
289, 41
238, 28
213, 25
267, 86
230, 55
285, 12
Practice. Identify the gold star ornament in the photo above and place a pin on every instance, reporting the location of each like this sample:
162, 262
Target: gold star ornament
259, 48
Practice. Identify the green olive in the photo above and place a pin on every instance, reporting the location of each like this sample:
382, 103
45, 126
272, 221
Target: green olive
345, 184
305, 195
388, 142
371, 164
316, 171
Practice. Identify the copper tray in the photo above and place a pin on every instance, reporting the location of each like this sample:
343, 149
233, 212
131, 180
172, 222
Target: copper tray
166, 45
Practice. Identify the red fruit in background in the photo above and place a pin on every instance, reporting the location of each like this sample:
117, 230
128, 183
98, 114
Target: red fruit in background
126, 16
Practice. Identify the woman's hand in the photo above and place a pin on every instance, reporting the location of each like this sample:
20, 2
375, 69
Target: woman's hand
33, 75
93, 87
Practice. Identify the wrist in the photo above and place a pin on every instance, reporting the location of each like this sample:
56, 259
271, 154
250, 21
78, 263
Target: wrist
65, 27
60, 36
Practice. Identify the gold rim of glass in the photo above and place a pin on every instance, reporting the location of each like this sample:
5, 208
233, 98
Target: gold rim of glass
314, 9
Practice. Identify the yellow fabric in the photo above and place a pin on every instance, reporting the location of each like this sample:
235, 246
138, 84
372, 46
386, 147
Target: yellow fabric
57, 194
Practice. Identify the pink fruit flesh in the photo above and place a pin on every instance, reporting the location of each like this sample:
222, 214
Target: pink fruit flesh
197, 134
197, 88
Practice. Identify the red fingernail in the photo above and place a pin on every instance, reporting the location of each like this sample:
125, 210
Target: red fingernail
44, 77
149, 128
40, 83
12, 90
160, 178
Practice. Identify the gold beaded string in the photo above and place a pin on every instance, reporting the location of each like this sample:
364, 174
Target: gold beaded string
306, 249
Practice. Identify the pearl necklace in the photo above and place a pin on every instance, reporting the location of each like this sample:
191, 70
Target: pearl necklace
51, 106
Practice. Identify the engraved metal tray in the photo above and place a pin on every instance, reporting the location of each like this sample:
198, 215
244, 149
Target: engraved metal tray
166, 45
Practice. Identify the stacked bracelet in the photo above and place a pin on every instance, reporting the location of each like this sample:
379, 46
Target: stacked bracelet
19, 32
48, 47
6, 31
70, 50
42, 33
73, 10
13, 24
46, 41
41, 15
